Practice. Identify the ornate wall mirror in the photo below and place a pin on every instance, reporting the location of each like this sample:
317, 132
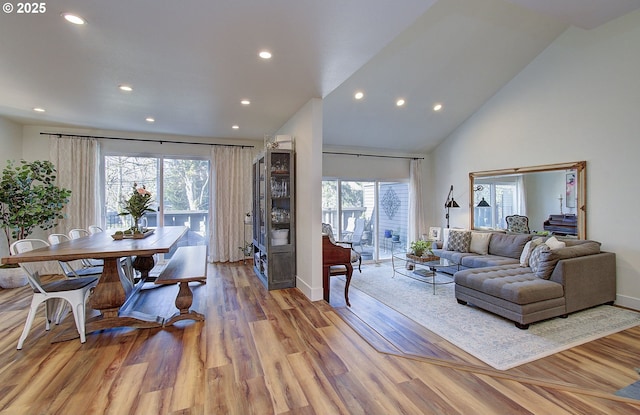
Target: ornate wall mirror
552, 196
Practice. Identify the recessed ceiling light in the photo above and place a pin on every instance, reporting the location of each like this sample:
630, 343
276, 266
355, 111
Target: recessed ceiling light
126, 88
150, 119
38, 109
235, 127
245, 102
265, 54
437, 107
73, 18
358, 95
400, 102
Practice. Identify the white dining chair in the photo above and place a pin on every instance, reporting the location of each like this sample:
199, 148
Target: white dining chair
74, 291
94, 229
75, 268
81, 233
78, 233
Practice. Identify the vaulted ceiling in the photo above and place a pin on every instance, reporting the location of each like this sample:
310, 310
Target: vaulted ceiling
191, 63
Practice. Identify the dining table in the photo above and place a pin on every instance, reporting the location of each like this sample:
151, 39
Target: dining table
114, 287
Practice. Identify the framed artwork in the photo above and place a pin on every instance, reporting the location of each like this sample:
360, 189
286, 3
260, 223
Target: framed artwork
435, 233
570, 197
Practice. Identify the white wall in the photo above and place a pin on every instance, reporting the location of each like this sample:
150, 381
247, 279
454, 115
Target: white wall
10, 141
306, 128
578, 100
363, 167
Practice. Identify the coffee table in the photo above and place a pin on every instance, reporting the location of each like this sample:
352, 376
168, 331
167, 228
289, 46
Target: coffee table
420, 269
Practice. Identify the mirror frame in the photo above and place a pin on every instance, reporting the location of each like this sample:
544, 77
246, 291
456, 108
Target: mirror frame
581, 176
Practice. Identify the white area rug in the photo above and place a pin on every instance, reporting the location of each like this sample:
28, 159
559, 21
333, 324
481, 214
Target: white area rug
492, 339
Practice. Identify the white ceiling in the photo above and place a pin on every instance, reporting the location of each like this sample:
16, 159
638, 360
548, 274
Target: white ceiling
191, 62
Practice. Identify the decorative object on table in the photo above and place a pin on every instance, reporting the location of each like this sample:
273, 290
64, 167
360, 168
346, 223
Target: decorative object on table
29, 198
131, 234
435, 233
137, 205
419, 247
421, 251
450, 203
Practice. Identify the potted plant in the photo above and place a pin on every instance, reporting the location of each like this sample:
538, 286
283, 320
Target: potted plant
420, 247
29, 198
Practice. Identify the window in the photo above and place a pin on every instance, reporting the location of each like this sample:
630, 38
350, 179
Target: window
179, 187
503, 198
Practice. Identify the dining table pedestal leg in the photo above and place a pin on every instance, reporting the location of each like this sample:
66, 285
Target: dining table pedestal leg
108, 296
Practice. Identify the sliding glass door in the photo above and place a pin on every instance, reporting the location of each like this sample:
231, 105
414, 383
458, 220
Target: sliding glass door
185, 196
121, 173
179, 187
361, 212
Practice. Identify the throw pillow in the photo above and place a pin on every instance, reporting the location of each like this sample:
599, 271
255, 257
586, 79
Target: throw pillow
480, 242
528, 249
554, 243
543, 261
459, 241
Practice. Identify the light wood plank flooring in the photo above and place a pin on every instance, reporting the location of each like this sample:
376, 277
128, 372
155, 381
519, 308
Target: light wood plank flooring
261, 352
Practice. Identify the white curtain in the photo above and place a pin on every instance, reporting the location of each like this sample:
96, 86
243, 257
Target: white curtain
417, 222
76, 160
231, 200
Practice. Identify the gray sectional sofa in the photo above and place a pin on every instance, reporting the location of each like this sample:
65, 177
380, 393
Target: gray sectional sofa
542, 283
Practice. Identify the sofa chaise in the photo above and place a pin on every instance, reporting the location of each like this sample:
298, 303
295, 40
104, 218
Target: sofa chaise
527, 280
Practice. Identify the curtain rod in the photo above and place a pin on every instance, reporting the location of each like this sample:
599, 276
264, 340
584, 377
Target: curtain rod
146, 140
373, 155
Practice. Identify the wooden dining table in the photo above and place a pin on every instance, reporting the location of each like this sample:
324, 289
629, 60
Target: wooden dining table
114, 287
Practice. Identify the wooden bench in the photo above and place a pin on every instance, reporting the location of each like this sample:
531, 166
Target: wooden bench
188, 263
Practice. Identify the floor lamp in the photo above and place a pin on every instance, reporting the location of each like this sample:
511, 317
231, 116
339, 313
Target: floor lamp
450, 203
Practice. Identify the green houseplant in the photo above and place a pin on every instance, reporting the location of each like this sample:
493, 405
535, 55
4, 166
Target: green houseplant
420, 247
30, 198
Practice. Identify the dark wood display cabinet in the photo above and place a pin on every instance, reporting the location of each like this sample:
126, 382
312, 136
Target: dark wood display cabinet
274, 230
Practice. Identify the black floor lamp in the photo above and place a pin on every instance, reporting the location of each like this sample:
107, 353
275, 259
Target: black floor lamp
450, 203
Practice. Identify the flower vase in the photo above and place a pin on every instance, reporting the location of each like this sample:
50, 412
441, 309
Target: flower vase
136, 224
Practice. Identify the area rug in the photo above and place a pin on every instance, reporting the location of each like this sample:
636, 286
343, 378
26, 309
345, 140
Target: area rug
492, 339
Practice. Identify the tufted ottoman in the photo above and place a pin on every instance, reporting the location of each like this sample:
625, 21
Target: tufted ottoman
511, 291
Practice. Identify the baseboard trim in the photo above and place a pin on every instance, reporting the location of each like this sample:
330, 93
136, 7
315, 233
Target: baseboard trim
628, 302
313, 294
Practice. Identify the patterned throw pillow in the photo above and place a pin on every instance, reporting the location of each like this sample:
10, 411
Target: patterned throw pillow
536, 257
528, 250
459, 241
543, 261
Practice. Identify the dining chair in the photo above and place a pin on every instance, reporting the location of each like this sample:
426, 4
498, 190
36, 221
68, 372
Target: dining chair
73, 268
81, 233
74, 291
78, 233
94, 229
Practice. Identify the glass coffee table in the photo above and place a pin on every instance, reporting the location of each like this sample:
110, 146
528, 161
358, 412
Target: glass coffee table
421, 269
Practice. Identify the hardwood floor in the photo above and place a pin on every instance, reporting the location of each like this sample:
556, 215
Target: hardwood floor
261, 352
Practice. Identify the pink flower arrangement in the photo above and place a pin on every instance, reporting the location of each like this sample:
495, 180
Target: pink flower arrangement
138, 203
